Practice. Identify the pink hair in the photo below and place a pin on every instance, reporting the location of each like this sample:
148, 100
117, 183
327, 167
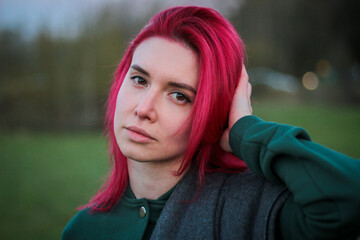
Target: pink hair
220, 54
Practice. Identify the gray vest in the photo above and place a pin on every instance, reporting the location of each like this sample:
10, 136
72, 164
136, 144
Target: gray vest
229, 206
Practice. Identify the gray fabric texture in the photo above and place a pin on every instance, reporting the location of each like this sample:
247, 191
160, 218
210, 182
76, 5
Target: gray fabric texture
228, 206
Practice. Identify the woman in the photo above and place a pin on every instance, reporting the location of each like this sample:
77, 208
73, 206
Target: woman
179, 103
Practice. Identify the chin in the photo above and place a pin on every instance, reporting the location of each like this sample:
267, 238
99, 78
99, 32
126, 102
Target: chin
137, 158
135, 153
149, 153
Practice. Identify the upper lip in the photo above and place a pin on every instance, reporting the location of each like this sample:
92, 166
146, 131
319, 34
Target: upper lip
140, 131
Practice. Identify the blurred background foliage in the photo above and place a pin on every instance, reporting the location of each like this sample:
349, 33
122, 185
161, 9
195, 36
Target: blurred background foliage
303, 62
57, 81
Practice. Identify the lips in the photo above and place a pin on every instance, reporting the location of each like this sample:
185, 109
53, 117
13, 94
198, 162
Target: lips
140, 132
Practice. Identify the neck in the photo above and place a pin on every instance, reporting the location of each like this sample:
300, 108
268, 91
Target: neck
152, 179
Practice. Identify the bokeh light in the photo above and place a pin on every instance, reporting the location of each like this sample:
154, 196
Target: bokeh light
310, 81
323, 68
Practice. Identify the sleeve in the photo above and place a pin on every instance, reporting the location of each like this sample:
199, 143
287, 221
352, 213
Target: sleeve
324, 184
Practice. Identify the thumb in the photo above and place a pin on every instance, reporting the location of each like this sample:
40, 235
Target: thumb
224, 141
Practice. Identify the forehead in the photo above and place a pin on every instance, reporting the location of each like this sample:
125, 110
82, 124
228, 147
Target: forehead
168, 59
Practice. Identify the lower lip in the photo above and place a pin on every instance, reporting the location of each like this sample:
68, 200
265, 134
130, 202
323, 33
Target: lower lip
137, 137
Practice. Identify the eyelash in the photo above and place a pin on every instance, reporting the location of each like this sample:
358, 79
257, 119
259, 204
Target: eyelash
186, 100
133, 78
136, 79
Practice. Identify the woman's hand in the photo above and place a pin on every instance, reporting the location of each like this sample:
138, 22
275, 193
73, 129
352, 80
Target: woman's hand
240, 107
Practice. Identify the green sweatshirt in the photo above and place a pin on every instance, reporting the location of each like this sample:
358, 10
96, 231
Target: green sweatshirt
325, 187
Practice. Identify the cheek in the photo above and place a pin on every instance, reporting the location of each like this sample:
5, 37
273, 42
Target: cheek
122, 106
177, 126
177, 143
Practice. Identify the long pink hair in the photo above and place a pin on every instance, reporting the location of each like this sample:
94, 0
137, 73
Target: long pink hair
220, 54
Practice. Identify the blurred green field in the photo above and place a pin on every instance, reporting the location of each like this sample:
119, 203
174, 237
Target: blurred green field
45, 176
336, 127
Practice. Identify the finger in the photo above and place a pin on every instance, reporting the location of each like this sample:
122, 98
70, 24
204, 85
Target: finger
249, 90
244, 80
224, 141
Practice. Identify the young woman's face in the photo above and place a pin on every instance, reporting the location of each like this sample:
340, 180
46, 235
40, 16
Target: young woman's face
155, 101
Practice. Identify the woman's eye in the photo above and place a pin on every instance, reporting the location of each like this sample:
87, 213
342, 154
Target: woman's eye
139, 80
180, 97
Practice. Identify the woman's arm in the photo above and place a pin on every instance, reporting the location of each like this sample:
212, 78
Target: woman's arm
325, 185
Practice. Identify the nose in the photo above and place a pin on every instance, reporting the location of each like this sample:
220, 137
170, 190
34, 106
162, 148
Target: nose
146, 107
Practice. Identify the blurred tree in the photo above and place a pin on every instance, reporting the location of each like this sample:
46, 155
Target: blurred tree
62, 82
292, 36
14, 63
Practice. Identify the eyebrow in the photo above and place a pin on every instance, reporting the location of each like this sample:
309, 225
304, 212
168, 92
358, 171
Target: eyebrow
183, 86
140, 69
172, 84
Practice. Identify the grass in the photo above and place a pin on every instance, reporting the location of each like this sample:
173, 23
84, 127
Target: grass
336, 127
45, 176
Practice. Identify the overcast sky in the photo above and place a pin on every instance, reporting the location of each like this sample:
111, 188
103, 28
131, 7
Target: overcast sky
63, 16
